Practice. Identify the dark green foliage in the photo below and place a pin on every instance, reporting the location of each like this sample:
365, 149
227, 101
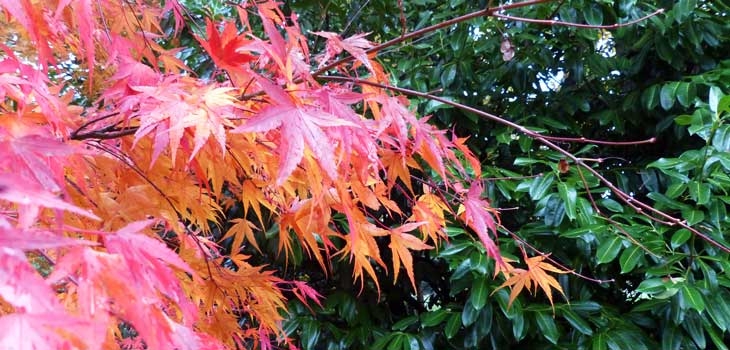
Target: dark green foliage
667, 78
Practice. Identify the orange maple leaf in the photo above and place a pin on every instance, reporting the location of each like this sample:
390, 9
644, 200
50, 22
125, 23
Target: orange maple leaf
535, 276
401, 244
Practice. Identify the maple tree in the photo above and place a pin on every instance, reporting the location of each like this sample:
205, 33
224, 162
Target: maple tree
112, 190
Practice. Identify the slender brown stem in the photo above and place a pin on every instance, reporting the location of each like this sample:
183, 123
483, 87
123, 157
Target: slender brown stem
641, 207
552, 22
598, 142
435, 27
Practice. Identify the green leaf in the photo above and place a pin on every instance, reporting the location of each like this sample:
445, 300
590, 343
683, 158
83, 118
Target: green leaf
650, 97
717, 211
671, 338
723, 106
715, 96
692, 298
405, 323
540, 186
700, 192
629, 258
518, 326
453, 325
478, 294
581, 231
608, 250
717, 340
585, 306
469, 314
719, 311
693, 216
667, 95
433, 318
680, 237
448, 75
594, 15
599, 342
569, 195
675, 190
684, 119
721, 139
612, 205
652, 286
547, 327
411, 342
693, 326
397, 340
577, 322
454, 249
686, 94
310, 333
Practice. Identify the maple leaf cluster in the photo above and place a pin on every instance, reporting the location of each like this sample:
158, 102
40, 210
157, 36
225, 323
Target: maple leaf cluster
107, 208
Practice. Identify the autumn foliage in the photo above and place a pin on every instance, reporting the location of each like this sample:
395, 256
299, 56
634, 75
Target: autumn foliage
111, 191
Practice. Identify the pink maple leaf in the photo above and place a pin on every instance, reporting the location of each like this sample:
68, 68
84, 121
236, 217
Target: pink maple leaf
477, 215
300, 124
355, 45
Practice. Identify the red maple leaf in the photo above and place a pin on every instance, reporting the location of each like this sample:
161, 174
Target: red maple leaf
227, 48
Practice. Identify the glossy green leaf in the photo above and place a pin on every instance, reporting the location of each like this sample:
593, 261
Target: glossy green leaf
469, 314
548, 329
686, 93
540, 186
650, 97
569, 196
578, 323
693, 325
310, 334
433, 318
612, 205
671, 338
599, 342
609, 249
715, 96
719, 310
668, 94
478, 294
453, 325
716, 338
721, 139
594, 14
518, 326
397, 341
700, 192
692, 298
693, 216
405, 323
630, 258
680, 237
456, 248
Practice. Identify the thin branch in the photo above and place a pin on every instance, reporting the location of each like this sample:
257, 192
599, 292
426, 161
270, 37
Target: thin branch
552, 22
104, 134
435, 27
639, 206
598, 142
